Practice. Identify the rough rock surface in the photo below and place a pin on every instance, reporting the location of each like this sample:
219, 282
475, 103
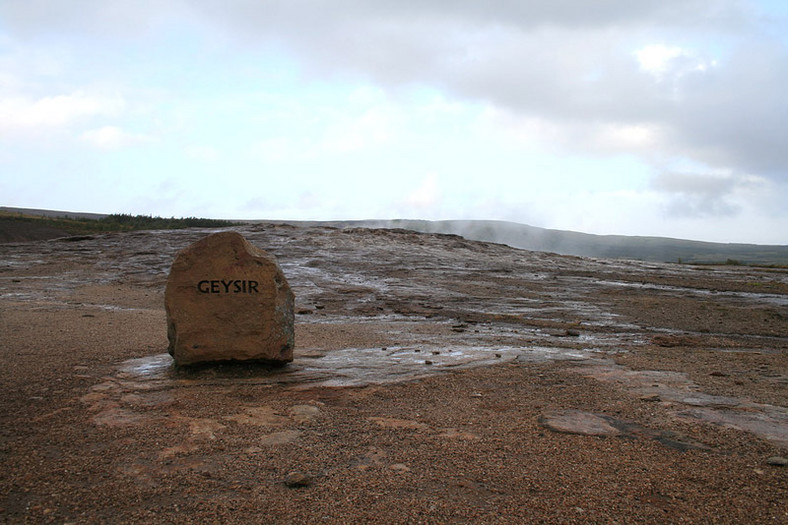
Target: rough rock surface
227, 300
96, 426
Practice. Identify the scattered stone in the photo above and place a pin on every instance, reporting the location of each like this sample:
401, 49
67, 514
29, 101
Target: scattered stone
399, 467
573, 333
777, 461
227, 300
650, 397
579, 422
297, 479
718, 374
427, 362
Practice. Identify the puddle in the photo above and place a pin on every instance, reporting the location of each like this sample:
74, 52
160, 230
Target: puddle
542, 354
345, 367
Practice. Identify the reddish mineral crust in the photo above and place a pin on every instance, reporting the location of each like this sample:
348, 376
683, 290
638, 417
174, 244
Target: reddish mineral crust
227, 300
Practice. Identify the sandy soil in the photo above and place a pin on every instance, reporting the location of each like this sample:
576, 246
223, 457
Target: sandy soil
428, 371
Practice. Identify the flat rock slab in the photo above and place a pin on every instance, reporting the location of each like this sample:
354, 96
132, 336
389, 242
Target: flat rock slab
591, 424
579, 422
227, 300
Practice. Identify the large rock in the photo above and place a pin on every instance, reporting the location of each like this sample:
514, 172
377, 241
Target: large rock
227, 300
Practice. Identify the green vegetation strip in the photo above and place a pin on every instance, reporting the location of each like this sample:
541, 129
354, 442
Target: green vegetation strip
116, 222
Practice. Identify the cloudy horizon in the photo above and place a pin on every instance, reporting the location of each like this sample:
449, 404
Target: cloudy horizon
658, 118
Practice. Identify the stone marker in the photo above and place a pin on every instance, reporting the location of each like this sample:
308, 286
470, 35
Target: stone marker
227, 300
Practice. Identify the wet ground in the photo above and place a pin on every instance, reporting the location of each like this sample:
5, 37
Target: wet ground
706, 345
412, 305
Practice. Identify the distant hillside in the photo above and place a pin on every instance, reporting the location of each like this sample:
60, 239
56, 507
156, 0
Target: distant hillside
18, 224
655, 249
22, 225
30, 212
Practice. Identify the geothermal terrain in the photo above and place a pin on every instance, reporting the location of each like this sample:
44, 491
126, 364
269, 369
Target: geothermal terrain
435, 380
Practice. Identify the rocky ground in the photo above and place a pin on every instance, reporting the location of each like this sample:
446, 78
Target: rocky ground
435, 380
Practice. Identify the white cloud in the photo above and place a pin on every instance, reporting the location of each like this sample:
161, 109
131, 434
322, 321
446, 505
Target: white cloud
371, 128
26, 114
316, 93
427, 196
202, 153
709, 194
113, 137
275, 150
656, 58
627, 137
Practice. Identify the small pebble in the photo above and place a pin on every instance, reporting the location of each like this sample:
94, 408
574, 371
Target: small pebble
427, 362
651, 397
777, 461
297, 479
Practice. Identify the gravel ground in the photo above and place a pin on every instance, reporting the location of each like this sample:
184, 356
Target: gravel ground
84, 440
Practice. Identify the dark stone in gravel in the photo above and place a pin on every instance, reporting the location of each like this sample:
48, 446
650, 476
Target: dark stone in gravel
297, 479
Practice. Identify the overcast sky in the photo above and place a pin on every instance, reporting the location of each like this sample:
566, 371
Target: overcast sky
648, 117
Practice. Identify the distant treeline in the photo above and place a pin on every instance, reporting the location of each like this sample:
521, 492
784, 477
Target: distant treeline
123, 222
16, 227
